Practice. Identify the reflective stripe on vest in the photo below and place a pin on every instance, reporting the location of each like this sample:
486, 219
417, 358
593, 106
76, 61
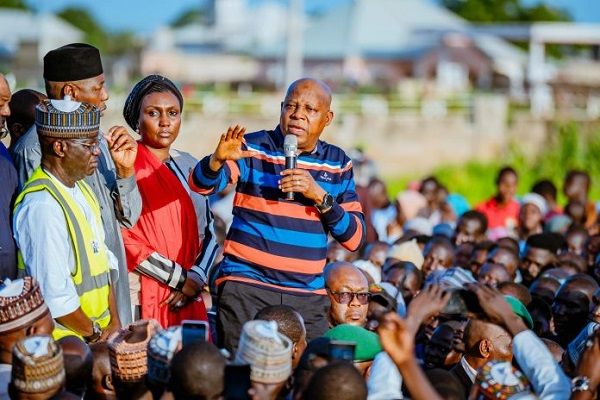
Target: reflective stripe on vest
92, 289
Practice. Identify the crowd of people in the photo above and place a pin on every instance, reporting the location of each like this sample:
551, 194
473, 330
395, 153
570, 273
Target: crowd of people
132, 270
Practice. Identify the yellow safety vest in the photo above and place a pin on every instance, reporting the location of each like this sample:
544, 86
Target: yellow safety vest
91, 277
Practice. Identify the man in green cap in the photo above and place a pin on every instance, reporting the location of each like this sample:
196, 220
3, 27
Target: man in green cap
367, 345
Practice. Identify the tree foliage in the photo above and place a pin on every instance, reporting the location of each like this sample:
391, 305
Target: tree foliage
488, 11
19, 4
83, 20
187, 17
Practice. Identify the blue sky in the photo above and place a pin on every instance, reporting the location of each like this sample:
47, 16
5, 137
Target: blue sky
144, 16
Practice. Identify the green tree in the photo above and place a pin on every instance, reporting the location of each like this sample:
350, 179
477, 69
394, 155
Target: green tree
485, 11
20, 4
191, 16
83, 20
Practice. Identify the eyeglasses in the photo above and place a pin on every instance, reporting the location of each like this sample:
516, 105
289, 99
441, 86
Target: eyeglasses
348, 297
92, 148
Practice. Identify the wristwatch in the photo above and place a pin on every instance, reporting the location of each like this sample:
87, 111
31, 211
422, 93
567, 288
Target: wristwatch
580, 384
326, 204
96, 333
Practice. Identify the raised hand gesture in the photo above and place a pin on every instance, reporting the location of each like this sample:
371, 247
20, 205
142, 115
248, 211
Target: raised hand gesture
123, 150
230, 147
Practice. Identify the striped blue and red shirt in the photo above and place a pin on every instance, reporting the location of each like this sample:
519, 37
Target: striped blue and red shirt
277, 243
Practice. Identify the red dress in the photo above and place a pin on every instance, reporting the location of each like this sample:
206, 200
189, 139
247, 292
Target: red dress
167, 225
502, 219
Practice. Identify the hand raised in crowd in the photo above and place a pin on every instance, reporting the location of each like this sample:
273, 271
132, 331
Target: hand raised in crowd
428, 303
123, 150
589, 367
301, 181
230, 147
497, 308
396, 339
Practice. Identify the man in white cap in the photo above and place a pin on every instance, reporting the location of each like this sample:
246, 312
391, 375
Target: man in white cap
75, 70
23, 313
66, 253
531, 216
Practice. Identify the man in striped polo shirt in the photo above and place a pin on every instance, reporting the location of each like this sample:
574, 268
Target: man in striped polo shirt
275, 250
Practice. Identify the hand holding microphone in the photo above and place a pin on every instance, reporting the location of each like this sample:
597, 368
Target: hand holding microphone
296, 180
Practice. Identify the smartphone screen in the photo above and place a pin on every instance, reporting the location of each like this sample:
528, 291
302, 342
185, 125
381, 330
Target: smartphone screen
341, 350
193, 331
237, 382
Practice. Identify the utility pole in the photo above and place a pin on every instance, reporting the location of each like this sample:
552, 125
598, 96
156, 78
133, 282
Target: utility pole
294, 51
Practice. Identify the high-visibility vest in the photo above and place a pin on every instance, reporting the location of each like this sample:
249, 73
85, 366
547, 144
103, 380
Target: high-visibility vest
92, 274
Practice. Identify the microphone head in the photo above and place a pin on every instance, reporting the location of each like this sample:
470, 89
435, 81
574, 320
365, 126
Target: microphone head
290, 144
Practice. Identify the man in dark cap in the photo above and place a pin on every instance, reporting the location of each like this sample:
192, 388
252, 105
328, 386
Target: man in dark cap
75, 70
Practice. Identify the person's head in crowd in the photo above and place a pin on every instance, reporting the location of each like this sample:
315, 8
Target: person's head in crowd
470, 228
540, 254
79, 362
595, 307
383, 300
348, 292
531, 215
502, 381
493, 274
595, 270
560, 274
338, 380
462, 255
315, 356
408, 204
429, 189
510, 243
506, 184
406, 251
419, 228
545, 288
405, 276
458, 341
554, 349
439, 255
75, 70
446, 384
515, 290
367, 345
592, 249
128, 350
37, 371
484, 342
547, 190
269, 354
571, 306
22, 112
444, 230
541, 314
572, 262
479, 255
289, 323
23, 313
198, 372
378, 194
338, 253
507, 257
376, 252
161, 349
101, 386
371, 271
576, 211
577, 238
576, 186
439, 351
567, 262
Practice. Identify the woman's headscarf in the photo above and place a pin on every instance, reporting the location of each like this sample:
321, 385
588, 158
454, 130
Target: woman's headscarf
150, 84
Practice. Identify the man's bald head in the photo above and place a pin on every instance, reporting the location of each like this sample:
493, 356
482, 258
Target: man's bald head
78, 362
348, 292
316, 85
4, 101
485, 341
101, 387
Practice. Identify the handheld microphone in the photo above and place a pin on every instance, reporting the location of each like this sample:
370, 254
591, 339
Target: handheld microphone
290, 146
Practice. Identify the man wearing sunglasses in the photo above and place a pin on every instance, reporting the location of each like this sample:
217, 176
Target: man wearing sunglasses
348, 291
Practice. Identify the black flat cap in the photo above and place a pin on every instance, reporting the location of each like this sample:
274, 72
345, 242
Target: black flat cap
72, 62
